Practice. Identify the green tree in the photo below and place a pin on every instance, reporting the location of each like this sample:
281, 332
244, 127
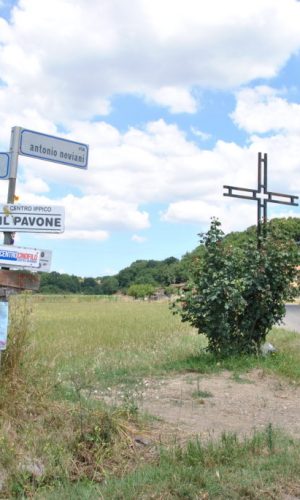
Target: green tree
239, 293
139, 291
90, 286
59, 283
109, 285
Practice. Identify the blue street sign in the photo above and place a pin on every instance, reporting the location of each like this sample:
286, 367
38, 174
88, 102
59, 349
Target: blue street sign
4, 165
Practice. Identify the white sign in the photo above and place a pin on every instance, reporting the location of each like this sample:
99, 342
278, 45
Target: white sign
20, 257
45, 261
56, 149
44, 265
4, 165
32, 218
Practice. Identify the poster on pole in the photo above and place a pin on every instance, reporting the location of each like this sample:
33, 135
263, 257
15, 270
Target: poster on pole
3, 324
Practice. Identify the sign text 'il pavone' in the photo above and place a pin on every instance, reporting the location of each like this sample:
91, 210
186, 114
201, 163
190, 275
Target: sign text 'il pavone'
32, 218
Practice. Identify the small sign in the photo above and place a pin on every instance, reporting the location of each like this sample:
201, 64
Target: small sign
32, 218
4, 165
20, 257
44, 262
19, 279
56, 149
3, 324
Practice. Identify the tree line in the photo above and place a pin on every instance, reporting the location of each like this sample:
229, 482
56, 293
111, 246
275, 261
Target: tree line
145, 276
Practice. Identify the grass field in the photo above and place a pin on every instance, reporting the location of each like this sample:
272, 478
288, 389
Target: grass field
58, 442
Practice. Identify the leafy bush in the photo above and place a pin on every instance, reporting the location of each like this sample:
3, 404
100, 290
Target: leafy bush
139, 291
239, 293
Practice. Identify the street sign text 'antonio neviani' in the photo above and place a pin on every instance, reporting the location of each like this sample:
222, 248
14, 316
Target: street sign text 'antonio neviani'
56, 149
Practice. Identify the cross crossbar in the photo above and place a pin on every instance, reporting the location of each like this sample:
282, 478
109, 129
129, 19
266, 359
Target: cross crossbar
255, 193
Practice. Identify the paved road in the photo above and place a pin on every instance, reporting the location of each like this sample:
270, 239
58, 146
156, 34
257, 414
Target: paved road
292, 318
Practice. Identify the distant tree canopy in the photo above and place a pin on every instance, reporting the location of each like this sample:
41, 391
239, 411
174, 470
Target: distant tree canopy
158, 274
152, 272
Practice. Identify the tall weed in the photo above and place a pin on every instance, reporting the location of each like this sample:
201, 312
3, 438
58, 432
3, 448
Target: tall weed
20, 318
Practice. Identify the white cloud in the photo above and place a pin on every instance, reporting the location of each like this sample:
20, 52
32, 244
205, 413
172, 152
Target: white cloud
109, 271
67, 58
202, 135
233, 216
91, 217
84, 235
178, 100
35, 185
91, 212
261, 109
138, 239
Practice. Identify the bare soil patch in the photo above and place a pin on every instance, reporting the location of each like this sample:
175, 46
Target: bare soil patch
235, 405
207, 405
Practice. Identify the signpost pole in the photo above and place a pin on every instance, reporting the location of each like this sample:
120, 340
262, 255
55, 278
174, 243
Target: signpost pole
14, 154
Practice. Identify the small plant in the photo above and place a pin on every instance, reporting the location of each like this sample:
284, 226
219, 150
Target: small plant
130, 405
270, 438
241, 380
202, 394
81, 385
199, 393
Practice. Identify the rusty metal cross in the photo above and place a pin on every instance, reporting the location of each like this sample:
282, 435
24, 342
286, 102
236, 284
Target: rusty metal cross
261, 195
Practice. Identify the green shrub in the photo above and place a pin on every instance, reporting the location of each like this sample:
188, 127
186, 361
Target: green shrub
239, 293
140, 291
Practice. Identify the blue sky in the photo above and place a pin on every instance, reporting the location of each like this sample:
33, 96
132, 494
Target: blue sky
175, 99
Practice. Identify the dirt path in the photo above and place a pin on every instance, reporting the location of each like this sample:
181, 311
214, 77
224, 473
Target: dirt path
208, 405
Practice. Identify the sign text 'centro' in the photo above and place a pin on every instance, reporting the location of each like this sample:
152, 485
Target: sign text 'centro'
32, 218
56, 149
19, 257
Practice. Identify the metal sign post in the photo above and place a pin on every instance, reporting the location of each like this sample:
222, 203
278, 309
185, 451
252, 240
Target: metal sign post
14, 154
27, 218
261, 195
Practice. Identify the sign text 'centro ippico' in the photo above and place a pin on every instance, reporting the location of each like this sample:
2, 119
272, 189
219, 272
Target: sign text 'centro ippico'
56, 149
32, 218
